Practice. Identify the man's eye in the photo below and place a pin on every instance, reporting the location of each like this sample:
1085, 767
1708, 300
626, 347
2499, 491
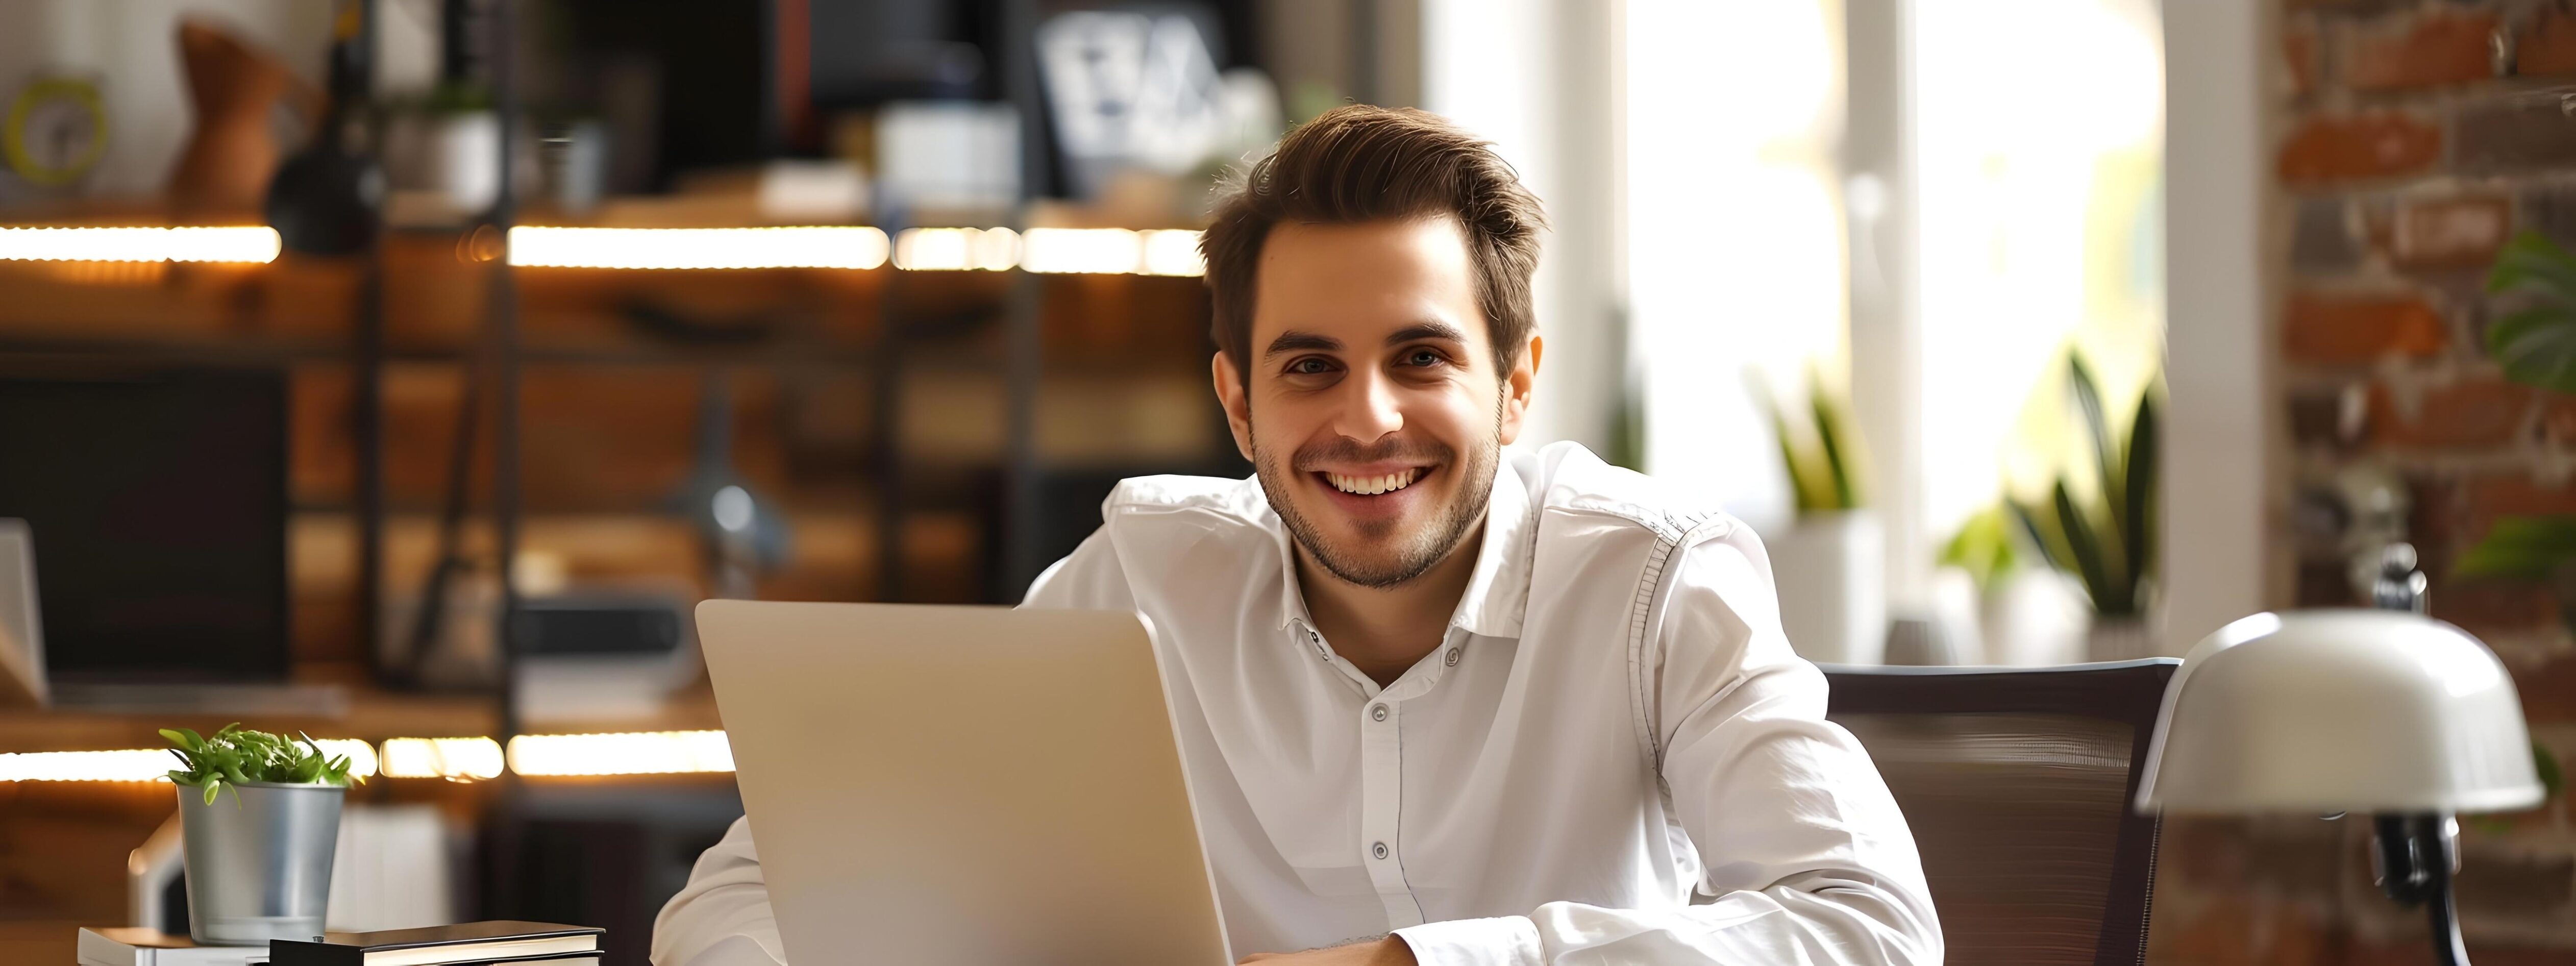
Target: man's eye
1310, 367
1423, 357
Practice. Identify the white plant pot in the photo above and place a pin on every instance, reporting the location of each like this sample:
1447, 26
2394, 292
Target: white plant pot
1831, 574
2035, 617
465, 159
2119, 639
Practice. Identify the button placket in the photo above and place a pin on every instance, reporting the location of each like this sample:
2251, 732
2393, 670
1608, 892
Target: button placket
1381, 808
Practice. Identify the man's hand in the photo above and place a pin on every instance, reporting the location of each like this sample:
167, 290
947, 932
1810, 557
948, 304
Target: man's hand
1389, 951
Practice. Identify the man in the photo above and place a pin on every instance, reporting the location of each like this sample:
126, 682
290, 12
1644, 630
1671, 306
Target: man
1441, 703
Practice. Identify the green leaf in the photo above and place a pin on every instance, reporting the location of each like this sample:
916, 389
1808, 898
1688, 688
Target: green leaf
2552, 781
1983, 547
2537, 347
2052, 551
2090, 564
235, 756
2530, 548
2097, 424
1802, 485
2534, 263
212, 788
1838, 472
2138, 518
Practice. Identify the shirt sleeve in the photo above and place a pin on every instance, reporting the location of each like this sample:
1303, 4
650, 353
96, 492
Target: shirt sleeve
1805, 852
1089, 578
722, 917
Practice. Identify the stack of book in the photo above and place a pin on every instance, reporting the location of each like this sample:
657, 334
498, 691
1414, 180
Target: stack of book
122, 946
479, 943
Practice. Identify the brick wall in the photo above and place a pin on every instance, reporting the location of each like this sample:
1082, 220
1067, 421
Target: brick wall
2413, 140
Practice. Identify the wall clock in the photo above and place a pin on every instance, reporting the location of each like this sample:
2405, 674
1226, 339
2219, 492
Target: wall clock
55, 132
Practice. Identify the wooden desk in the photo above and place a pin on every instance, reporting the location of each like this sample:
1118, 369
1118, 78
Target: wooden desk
40, 942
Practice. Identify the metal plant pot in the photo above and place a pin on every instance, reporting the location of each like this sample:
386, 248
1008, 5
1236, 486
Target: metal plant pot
259, 862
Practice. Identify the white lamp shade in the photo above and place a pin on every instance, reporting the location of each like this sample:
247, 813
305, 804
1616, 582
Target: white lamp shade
2340, 710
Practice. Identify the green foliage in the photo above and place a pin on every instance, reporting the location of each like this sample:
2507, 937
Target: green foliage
2552, 781
1820, 450
2107, 541
2529, 548
1983, 547
235, 757
2536, 344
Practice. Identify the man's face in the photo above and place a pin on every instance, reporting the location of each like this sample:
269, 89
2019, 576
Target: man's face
1374, 412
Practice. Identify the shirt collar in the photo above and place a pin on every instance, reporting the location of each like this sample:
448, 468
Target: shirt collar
1498, 592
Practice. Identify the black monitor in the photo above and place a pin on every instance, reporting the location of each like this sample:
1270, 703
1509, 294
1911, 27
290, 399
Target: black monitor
157, 503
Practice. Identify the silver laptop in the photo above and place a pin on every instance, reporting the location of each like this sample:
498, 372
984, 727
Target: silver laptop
961, 784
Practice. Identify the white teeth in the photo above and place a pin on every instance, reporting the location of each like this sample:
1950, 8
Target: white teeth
1373, 485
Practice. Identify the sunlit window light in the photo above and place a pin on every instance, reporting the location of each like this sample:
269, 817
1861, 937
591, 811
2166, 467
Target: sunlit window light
698, 248
956, 249
631, 753
250, 243
1101, 251
458, 759
144, 764
1173, 252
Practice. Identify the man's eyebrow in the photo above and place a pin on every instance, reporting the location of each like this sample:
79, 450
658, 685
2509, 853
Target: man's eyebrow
1426, 330
1293, 340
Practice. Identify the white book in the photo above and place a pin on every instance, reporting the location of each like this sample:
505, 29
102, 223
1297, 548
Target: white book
131, 946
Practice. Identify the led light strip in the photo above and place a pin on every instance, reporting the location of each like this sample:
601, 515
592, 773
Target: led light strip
256, 244
956, 249
629, 753
145, 764
454, 759
1111, 251
698, 248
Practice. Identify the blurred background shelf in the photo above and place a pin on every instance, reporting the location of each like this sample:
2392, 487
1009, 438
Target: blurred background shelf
903, 433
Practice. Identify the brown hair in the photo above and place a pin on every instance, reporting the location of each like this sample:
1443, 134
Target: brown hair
1361, 163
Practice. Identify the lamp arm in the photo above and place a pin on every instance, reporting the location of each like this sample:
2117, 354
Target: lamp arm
2415, 856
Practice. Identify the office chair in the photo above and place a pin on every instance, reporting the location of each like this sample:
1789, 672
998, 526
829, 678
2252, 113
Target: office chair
2017, 782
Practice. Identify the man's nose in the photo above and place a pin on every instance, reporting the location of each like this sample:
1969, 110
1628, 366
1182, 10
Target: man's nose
1373, 409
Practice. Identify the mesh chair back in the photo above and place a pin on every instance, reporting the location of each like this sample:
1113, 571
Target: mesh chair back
2016, 783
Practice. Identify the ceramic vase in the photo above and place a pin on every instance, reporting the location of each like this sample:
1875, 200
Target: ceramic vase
1830, 571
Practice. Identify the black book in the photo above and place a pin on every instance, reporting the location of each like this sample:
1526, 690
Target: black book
465, 942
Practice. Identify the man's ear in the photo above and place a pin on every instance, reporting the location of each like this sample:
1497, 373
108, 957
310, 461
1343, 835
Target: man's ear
1230, 394
1517, 385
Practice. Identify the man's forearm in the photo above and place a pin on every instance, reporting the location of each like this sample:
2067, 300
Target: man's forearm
1383, 951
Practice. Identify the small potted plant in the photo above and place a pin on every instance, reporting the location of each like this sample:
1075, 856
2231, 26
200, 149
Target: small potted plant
1829, 563
2104, 534
259, 816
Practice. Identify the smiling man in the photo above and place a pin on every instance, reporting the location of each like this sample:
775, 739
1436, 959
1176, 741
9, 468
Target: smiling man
1440, 702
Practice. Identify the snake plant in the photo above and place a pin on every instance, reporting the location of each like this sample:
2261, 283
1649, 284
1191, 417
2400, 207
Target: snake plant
2105, 535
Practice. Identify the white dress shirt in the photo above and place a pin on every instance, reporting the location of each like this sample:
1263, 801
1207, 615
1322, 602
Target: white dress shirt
1613, 719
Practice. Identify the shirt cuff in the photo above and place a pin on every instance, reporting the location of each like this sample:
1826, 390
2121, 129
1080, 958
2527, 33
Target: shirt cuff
1500, 941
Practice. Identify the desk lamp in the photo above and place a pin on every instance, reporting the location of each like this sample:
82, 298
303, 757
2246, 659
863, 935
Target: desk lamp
2383, 712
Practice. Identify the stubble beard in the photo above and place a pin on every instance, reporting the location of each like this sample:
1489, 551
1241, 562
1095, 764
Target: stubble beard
1408, 558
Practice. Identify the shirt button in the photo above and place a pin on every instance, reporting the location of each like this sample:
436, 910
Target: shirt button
1378, 850
1377, 713
1453, 657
